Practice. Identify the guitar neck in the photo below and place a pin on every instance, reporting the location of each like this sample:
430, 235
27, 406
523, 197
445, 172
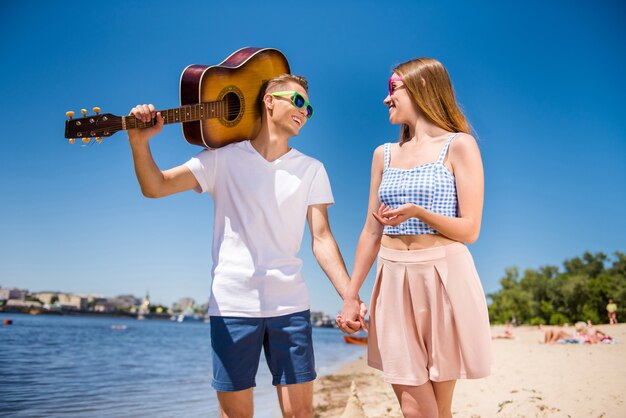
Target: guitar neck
188, 113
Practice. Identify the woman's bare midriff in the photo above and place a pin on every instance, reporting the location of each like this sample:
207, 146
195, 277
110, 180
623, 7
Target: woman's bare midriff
414, 242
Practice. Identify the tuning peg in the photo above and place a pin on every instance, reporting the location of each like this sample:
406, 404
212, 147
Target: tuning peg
98, 139
72, 140
83, 111
86, 140
96, 110
69, 114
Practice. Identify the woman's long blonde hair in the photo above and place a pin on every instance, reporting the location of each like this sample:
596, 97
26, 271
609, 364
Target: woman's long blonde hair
429, 84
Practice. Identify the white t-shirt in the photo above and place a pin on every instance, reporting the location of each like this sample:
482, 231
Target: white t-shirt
260, 212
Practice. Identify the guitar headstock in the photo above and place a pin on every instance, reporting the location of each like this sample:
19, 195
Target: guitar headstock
95, 126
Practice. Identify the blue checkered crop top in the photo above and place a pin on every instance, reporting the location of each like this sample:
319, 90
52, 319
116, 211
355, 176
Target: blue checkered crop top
431, 186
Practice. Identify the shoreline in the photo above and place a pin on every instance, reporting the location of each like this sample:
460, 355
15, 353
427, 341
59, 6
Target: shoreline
528, 379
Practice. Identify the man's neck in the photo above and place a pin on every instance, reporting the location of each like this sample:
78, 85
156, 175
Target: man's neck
270, 145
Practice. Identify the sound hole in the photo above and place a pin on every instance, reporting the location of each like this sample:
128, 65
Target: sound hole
233, 106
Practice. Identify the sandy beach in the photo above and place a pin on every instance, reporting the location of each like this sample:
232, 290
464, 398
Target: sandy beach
528, 379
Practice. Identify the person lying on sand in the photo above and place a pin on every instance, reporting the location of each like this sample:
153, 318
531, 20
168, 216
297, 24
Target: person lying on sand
506, 335
580, 335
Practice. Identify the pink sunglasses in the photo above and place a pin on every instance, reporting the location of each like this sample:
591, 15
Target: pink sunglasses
390, 84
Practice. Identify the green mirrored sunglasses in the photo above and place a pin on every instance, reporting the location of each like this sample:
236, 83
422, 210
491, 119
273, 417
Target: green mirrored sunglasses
297, 100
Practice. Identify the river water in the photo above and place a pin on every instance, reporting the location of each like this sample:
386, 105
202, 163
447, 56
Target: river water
71, 366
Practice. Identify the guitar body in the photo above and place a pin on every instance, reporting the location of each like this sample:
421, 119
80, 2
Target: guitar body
236, 82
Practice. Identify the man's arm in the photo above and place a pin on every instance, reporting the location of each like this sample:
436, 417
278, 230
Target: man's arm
153, 181
329, 257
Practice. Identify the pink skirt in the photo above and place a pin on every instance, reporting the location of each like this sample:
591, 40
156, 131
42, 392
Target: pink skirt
428, 317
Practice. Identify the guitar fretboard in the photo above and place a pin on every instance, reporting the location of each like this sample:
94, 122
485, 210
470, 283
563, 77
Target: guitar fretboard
187, 113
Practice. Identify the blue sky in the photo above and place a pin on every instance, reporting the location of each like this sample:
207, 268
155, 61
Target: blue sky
541, 82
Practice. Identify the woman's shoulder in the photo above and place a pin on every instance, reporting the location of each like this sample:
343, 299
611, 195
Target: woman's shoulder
463, 143
463, 138
378, 156
380, 149
391, 145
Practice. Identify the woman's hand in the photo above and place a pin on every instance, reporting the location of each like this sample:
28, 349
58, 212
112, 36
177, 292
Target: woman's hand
393, 217
352, 316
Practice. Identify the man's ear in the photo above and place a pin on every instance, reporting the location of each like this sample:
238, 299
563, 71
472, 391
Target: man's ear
269, 101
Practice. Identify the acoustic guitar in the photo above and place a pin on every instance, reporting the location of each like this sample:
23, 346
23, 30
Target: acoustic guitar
220, 104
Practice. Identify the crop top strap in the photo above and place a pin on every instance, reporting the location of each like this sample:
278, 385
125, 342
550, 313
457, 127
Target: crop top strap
387, 156
442, 156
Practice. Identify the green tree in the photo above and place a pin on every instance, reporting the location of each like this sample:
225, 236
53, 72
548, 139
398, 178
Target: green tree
578, 292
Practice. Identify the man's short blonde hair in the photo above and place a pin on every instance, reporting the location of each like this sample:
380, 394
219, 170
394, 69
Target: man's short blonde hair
276, 83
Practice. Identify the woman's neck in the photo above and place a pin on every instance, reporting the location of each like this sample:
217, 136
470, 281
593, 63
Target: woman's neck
424, 129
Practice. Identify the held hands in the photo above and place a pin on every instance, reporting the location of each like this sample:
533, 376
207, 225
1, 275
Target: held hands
352, 316
145, 113
393, 217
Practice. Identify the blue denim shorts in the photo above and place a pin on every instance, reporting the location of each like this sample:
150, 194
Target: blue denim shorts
286, 340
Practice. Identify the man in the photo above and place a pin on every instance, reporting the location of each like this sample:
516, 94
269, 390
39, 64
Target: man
611, 309
263, 191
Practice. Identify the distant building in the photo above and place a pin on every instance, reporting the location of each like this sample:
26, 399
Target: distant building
127, 303
320, 319
17, 303
103, 306
316, 316
48, 298
184, 304
144, 309
71, 302
17, 294
204, 308
93, 299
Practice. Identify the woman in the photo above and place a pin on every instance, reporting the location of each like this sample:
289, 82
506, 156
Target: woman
429, 324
